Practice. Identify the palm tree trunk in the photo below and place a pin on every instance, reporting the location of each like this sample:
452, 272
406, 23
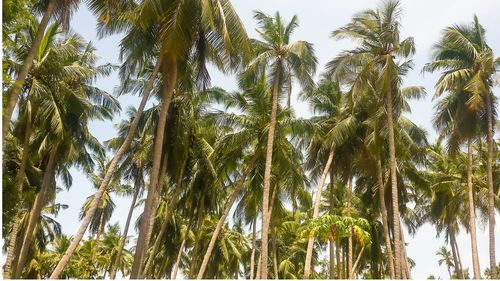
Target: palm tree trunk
332, 238
222, 220
116, 264
259, 264
455, 258
179, 256
349, 239
147, 221
109, 174
7, 270
491, 195
252, 257
394, 187
472, 213
339, 260
15, 91
146, 271
266, 218
460, 267
317, 203
36, 211
355, 266
100, 229
349, 256
385, 221
405, 264
275, 253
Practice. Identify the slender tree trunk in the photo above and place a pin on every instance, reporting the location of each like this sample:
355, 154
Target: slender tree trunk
455, 259
36, 211
385, 221
100, 229
394, 187
275, 254
406, 265
146, 271
197, 246
332, 238
460, 267
147, 221
259, 264
472, 213
109, 174
349, 239
222, 220
491, 195
7, 270
267, 176
254, 245
15, 91
317, 203
349, 256
355, 266
179, 256
116, 264
339, 260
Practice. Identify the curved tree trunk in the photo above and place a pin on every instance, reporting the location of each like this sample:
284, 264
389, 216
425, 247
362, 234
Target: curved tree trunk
222, 220
36, 212
317, 203
385, 221
472, 213
179, 255
15, 91
491, 195
109, 173
146, 226
116, 263
7, 270
266, 218
394, 187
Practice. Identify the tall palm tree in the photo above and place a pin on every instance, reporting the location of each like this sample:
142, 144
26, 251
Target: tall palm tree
63, 11
66, 101
381, 53
468, 63
190, 31
279, 58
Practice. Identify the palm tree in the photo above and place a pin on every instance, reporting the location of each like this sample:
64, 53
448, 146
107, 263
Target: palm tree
383, 56
445, 257
203, 28
468, 63
63, 10
280, 58
66, 101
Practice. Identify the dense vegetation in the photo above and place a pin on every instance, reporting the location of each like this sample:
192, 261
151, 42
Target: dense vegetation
233, 184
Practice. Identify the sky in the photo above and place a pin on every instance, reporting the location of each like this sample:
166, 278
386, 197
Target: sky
422, 19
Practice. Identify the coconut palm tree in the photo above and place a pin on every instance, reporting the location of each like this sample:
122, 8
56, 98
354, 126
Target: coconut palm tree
61, 127
280, 58
63, 10
469, 65
384, 56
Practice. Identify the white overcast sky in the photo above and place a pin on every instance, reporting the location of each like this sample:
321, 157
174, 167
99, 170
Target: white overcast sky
422, 19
